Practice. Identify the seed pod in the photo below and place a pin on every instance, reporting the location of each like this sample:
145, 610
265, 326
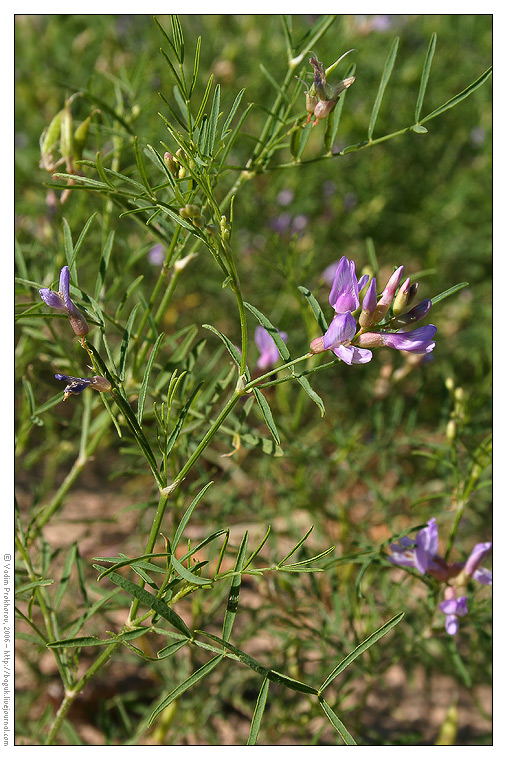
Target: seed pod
100, 384
48, 142
190, 211
67, 138
81, 135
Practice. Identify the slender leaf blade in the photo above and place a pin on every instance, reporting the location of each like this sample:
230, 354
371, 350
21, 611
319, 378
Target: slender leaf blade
144, 385
425, 76
386, 75
266, 413
187, 684
258, 713
233, 599
271, 329
337, 723
461, 96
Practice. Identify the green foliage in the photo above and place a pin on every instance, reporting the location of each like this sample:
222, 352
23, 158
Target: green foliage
190, 201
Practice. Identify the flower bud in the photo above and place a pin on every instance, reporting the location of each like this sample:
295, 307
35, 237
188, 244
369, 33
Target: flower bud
369, 305
317, 345
413, 292
67, 138
402, 296
414, 315
171, 163
81, 135
369, 340
100, 384
388, 295
190, 211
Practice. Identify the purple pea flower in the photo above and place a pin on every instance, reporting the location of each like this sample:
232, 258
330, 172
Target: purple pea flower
418, 341
268, 351
453, 607
421, 554
345, 289
62, 302
76, 385
338, 337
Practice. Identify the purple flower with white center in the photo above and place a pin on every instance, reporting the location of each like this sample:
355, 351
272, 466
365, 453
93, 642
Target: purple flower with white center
268, 351
76, 385
345, 289
338, 337
62, 302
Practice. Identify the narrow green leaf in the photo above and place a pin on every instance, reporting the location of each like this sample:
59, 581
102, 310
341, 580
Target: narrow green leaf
187, 575
257, 550
287, 30
171, 110
315, 307
188, 514
125, 342
311, 393
179, 43
150, 601
187, 684
35, 584
266, 413
78, 641
141, 167
305, 136
234, 352
65, 576
144, 385
449, 292
273, 82
175, 432
171, 649
336, 113
386, 75
461, 96
68, 248
264, 321
200, 112
196, 66
366, 644
100, 171
103, 264
294, 550
233, 110
258, 713
20, 260
82, 235
213, 122
425, 76
233, 599
336, 723
255, 665
179, 220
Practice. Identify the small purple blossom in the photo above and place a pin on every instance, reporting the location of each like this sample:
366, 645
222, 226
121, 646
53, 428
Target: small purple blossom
338, 337
156, 255
285, 197
62, 302
344, 295
268, 351
418, 341
76, 385
421, 554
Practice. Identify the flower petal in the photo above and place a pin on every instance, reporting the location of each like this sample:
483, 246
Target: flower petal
52, 299
341, 330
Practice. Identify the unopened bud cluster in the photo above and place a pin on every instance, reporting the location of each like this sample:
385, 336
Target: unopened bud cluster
320, 98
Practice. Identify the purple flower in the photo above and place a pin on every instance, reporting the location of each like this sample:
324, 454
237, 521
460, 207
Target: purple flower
156, 255
268, 351
285, 197
422, 555
419, 554
418, 341
76, 385
62, 302
338, 337
345, 289
387, 296
453, 608
369, 304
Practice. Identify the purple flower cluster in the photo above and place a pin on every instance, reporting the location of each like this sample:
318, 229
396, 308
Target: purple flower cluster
421, 554
343, 330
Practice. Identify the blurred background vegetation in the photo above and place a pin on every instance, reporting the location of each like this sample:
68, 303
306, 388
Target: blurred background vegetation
378, 462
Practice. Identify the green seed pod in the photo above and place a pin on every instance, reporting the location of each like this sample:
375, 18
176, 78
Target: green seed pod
80, 136
171, 163
67, 138
48, 142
